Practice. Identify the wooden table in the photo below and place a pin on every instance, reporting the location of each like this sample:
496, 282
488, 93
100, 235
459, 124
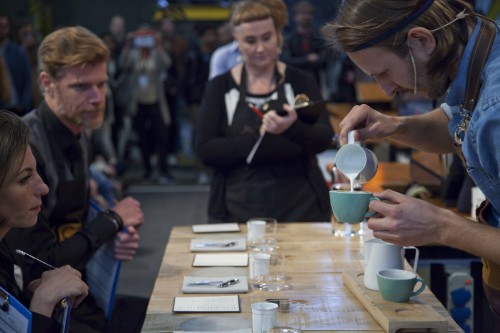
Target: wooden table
315, 262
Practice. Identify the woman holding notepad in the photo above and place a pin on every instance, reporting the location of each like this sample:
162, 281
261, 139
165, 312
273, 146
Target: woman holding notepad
262, 150
21, 190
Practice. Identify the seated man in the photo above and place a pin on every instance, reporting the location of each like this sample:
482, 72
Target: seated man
73, 78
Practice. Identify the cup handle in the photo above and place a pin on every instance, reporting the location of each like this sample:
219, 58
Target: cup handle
417, 253
368, 214
422, 287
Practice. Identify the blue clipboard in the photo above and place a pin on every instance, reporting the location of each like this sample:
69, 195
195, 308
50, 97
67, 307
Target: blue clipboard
103, 272
14, 317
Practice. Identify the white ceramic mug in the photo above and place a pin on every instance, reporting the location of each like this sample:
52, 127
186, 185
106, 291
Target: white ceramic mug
379, 255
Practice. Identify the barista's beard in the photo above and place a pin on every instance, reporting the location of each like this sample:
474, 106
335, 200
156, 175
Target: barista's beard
436, 87
431, 87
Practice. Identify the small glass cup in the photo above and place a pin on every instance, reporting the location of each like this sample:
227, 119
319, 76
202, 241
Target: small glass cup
264, 316
261, 234
290, 315
268, 271
346, 230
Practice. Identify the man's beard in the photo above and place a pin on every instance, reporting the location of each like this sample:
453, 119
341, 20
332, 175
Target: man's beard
93, 123
90, 123
436, 87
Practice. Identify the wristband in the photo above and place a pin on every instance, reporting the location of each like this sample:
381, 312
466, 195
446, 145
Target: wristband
116, 219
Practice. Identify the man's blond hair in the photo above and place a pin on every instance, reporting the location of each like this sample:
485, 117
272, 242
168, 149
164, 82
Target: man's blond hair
68, 47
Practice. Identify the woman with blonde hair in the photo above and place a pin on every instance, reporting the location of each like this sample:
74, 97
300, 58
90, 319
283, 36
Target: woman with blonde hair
263, 154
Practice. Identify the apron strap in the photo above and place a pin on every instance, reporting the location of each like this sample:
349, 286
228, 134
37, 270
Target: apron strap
243, 84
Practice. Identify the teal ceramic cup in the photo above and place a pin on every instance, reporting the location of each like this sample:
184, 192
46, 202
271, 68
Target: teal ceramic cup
351, 206
397, 285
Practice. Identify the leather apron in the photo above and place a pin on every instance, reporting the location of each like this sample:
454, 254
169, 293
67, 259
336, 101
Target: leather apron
281, 190
491, 270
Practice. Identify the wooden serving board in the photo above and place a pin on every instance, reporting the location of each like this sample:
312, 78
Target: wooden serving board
414, 316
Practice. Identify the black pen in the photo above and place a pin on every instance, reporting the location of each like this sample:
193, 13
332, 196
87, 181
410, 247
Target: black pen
34, 259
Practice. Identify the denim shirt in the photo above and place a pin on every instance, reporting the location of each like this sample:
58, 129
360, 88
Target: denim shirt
481, 145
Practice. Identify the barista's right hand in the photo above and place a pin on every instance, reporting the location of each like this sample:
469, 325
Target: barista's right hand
367, 123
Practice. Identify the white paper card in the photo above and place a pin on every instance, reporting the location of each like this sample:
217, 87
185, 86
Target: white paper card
207, 304
216, 227
14, 317
222, 259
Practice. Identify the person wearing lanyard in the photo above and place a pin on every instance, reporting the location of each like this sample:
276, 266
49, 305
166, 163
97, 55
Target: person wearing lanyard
73, 78
21, 190
431, 48
281, 178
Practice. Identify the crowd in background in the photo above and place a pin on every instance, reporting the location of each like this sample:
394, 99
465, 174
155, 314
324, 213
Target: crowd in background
156, 124
154, 91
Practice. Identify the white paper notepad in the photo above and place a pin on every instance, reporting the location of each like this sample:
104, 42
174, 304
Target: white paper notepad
207, 304
221, 259
216, 227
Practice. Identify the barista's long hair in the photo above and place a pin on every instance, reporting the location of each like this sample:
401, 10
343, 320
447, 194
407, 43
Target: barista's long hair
358, 22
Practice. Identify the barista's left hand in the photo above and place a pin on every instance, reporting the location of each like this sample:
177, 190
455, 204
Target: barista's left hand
404, 220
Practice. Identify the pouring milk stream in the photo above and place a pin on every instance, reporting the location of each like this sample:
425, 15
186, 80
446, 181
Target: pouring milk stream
356, 162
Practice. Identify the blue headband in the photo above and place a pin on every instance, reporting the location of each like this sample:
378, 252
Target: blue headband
409, 19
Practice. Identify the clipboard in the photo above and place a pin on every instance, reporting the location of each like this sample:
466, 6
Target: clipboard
62, 314
309, 114
103, 272
14, 317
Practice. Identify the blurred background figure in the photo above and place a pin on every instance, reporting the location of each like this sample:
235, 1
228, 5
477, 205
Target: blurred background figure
118, 29
18, 70
224, 34
303, 47
197, 71
4, 82
176, 46
224, 58
29, 39
146, 60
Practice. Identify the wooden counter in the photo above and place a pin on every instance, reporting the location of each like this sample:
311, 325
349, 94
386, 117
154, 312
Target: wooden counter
315, 263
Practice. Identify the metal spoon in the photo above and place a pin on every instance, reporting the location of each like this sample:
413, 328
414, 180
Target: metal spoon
228, 283
229, 244
220, 284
